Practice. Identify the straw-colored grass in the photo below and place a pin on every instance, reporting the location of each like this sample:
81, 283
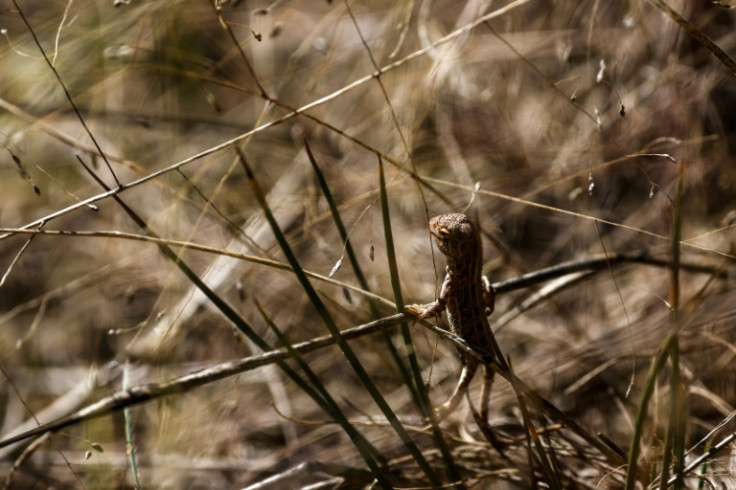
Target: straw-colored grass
180, 178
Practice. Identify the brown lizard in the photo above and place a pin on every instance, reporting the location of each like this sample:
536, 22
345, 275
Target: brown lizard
468, 298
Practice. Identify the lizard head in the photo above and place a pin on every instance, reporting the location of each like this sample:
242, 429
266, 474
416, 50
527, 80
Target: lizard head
454, 234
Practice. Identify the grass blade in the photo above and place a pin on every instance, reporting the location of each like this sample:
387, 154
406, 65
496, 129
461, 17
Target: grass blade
634, 449
369, 453
334, 331
220, 303
405, 374
423, 400
675, 442
129, 445
549, 472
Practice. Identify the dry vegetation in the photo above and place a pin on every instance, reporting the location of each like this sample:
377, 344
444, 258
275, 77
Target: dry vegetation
573, 119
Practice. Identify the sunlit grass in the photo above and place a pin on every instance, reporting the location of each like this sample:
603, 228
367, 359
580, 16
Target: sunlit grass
567, 127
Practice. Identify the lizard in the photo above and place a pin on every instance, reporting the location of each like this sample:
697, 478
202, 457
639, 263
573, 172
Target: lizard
468, 298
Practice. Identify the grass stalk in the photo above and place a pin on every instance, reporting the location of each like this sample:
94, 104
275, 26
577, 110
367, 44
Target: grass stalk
678, 393
369, 453
674, 441
421, 393
548, 469
334, 331
358, 271
129, 442
224, 307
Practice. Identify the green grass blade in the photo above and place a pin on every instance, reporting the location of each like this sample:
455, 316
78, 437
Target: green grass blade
357, 270
675, 439
409, 346
641, 414
129, 444
677, 391
367, 451
220, 303
679, 439
549, 472
334, 331
396, 283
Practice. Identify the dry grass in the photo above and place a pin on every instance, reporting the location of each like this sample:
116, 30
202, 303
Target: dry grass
526, 105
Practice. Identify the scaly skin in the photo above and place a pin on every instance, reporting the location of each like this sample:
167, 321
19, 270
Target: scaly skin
468, 299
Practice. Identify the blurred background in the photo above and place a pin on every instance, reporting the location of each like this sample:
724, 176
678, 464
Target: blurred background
563, 126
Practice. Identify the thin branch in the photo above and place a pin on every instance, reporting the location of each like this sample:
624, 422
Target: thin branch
698, 35
66, 92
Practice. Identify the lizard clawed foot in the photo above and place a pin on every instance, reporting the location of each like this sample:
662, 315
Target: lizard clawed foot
423, 312
440, 414
499, 443
447, 408
416, 310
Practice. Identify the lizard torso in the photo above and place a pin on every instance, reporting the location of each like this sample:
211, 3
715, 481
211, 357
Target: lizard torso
463, 291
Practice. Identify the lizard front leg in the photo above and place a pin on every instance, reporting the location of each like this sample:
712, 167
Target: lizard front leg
431, 310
